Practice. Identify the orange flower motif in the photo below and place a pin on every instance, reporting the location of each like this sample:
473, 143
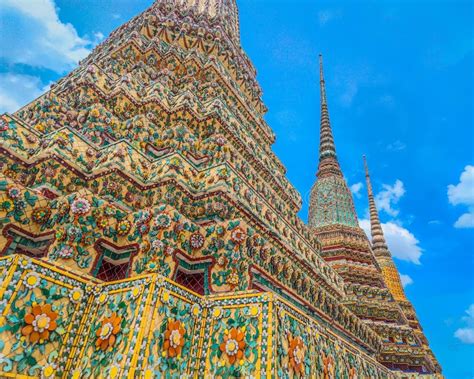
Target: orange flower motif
39, 323
174, 338
296, 353
238, 236
328, 362
233, 345
106, 334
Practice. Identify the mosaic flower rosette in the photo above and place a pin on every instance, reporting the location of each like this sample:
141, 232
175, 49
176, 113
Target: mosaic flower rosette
293, 349
41, 309
111, 336
55, 325
304, 348
171, 340
235, 348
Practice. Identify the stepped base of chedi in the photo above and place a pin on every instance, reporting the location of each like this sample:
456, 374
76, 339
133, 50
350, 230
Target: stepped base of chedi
148, 230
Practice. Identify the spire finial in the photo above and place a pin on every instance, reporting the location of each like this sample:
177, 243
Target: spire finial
328, 164
379, 245
321, 80
367, 178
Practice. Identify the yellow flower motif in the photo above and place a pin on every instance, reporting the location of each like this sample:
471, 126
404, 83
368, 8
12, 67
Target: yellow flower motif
102, 222
40, 127
233, 279
135, 292
217, 312
32, 280
101, 299
48, 371
95, 112
123, 227
254, 310
41, 215
114, 370
196, 310
75, 295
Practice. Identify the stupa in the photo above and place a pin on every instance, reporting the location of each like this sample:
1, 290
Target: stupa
148, 230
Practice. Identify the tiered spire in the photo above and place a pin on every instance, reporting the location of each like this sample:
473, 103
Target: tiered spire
328, 163
331, 200
379, 246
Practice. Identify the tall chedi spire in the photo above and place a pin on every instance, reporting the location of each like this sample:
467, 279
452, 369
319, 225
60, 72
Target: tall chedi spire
328, 164
379, 246
331, 200
372, 282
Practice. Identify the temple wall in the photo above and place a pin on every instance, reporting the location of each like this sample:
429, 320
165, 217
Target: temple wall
148, 326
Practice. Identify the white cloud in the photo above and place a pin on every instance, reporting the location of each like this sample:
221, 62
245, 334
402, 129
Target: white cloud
396, 146
406, 280
364, 223
37, 37
349, 79
389, 196
18, 90
98, 36
352, 87
463, 194
388, 101
466, 334
401, 242
355, 189
327, 15
466, 220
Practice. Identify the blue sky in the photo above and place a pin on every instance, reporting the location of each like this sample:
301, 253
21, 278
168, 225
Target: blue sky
400, 90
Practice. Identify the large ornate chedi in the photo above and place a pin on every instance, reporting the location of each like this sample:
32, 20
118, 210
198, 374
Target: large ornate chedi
149, 231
